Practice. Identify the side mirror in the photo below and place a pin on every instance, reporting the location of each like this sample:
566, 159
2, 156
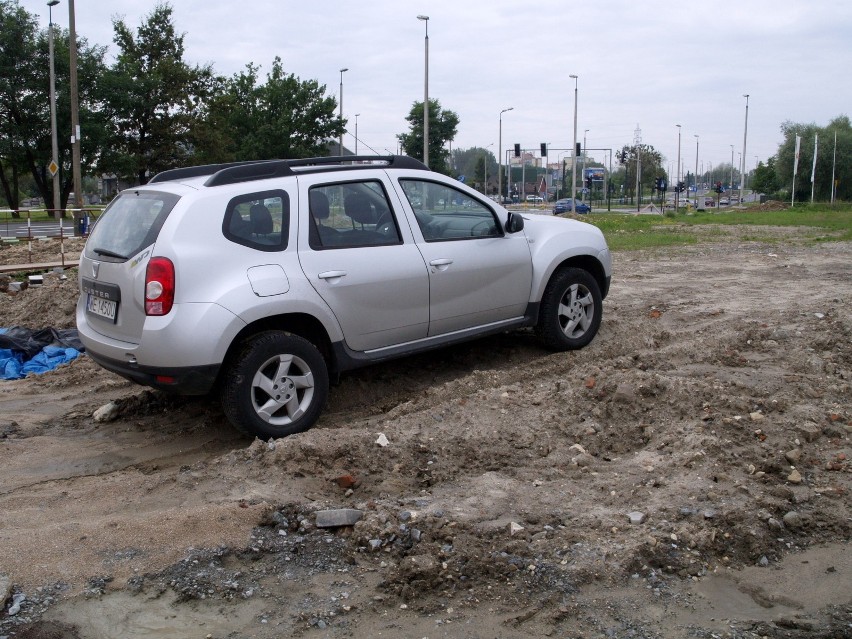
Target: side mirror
514, 223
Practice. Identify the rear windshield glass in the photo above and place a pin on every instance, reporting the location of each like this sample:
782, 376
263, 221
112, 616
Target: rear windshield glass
129, 224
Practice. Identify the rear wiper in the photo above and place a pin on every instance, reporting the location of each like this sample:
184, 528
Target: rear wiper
107, 253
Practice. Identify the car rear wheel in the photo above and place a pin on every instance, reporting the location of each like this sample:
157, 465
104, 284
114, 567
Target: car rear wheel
276, 386
570, 312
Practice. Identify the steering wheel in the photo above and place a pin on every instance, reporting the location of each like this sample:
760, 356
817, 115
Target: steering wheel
480, 228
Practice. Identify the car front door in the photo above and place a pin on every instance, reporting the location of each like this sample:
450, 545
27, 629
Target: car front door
478, 274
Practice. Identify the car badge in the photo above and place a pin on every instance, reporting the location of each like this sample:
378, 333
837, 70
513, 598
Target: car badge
95, 267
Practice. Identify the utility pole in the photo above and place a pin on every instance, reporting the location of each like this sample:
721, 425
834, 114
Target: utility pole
637, 141
75, 123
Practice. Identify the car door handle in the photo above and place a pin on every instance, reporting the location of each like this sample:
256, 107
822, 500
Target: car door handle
330, 275
445, 261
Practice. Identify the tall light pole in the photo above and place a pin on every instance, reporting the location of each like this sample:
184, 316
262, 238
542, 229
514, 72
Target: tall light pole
54, 165
677, 179
696, 171
75, 116
584, 162
574, 153
342, 71
356, 133
485, 169
745, 138
425, 19
732, 170
500, 157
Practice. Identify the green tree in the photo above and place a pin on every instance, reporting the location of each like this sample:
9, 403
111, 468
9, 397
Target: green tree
283, 118
647, 159
25, 128
765, 177
476, 164
822, 183
443, 126
153, 98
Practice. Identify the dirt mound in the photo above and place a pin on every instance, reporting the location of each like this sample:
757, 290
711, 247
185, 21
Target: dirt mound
687, 474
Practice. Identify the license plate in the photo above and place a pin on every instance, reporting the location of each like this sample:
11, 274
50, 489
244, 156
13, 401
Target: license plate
101, 307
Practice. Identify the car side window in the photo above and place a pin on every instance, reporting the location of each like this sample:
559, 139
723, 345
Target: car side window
444, 213
259, 220
351, 214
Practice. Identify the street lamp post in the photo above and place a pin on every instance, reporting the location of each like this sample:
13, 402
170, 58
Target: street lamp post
732, 170
500, 157
745, 137
342, 71
574, 153
75, 116
584, 163
356, 133
677, 182
53, 138
425, 19
696, 171
485, 169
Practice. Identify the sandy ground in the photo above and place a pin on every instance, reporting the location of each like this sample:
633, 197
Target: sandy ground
686, 475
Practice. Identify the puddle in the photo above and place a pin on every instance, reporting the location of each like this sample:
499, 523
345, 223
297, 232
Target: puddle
122, 614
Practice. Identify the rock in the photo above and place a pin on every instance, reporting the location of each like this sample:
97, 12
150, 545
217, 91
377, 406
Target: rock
106, 413
15, 608
338, 517
5, 588
514, 528
375, 544
793, 456
809, 431
794, 477
382, 440
757, 416
636, 517
775, 524
624, 393
345, 481
583, 460
793, 520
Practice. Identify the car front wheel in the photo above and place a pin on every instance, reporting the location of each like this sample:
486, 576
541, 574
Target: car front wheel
276, 386
570, 312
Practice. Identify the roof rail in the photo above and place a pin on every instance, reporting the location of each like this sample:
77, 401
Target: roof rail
195, 171
235, 172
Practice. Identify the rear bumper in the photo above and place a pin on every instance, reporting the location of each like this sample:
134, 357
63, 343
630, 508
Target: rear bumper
189, 380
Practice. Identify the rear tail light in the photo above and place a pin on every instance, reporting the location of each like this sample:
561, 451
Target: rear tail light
159, 286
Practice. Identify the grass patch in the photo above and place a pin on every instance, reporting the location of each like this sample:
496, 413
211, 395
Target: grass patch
634, 232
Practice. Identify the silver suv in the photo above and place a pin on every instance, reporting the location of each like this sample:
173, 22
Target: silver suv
263, 281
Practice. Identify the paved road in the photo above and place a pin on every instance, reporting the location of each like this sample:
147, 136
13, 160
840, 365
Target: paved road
18, 228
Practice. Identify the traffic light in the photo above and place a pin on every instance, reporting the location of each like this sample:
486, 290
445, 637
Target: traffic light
719, 188
579, 149
544, 149
517, 150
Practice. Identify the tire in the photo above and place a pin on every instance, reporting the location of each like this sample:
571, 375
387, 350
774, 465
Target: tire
570, 312
256, 405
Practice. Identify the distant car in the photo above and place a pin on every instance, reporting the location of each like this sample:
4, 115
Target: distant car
564, 206
534, 199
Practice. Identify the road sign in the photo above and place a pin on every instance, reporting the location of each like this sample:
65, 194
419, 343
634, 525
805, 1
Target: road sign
53, 168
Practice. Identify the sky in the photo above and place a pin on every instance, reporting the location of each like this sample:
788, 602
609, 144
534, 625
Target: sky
641, 65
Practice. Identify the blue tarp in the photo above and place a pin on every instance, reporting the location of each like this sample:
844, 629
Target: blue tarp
24, 351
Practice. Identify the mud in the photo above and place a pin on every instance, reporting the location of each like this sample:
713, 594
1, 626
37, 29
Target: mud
686, 475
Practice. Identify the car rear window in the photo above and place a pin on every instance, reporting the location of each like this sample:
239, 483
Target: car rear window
129, 224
